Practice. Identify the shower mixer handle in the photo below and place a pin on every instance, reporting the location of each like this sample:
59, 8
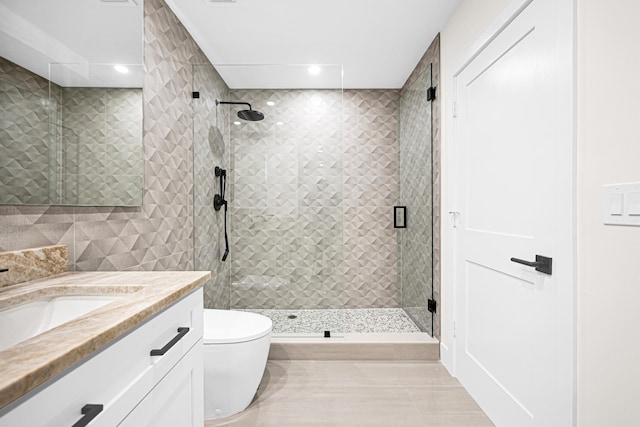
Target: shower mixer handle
218, 202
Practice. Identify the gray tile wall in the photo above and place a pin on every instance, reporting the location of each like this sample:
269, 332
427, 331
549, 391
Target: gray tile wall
415, 241
159, 235
371, 190
420, 190
101, 146
359, 269
80, 133
211, 149
24, 135
312, 200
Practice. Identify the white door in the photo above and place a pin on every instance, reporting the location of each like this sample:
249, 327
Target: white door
514, 184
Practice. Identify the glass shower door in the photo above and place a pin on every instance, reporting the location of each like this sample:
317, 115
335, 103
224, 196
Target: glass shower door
287, 200
416, 193
210, 150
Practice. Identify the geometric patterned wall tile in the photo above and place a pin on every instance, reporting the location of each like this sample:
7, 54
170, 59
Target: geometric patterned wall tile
71, 130
159, 235
211, 149
24, 227
293, 181
101, 140
418, 245
24, 135
324, 162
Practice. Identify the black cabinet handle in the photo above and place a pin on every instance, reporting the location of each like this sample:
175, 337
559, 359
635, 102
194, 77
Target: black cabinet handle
542, 263
181, 333
3, 270
90, 412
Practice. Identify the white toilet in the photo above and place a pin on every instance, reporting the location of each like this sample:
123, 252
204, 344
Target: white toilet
236, 346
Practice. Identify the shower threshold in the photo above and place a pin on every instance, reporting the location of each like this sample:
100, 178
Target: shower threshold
355, 334
355, 346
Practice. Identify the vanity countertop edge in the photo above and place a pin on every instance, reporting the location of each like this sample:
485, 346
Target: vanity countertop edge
33, 362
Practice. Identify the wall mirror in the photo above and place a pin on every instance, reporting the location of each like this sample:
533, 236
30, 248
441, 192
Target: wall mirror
71, 78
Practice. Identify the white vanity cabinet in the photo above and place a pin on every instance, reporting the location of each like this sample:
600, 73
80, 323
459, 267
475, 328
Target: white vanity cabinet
124, 384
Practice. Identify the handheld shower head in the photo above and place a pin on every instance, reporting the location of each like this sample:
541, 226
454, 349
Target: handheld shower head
250, 114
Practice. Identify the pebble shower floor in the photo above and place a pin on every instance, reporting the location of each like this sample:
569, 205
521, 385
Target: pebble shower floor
368, 320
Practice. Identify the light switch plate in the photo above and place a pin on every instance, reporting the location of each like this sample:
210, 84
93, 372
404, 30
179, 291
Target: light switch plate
633, 204
621, 204
616, 204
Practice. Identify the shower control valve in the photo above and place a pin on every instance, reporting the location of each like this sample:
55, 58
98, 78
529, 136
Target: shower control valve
218, 202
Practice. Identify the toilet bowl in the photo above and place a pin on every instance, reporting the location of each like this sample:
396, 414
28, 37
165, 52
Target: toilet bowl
236, 346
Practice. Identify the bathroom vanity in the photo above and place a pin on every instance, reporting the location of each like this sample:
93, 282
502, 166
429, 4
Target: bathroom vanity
135, 361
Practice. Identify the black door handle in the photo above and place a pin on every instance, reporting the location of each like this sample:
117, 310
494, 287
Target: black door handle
90, 412
542, 263
161, 351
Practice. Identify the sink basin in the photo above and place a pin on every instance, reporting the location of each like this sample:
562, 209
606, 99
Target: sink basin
27, 320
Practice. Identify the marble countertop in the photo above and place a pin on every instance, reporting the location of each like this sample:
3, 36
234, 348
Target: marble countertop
31, 363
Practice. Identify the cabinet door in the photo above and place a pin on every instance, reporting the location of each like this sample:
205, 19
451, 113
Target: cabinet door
118, 376
177, 400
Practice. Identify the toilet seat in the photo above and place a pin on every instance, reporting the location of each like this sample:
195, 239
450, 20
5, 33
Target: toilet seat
228, 326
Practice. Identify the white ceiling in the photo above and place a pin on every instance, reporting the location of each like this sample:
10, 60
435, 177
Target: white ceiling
376, 42
82, 39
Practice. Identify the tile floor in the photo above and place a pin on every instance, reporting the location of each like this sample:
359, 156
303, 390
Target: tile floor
369, 320
296, 393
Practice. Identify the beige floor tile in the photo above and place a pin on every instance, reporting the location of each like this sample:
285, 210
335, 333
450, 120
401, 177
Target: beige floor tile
448, 406
383, 373
362, 394
332, 406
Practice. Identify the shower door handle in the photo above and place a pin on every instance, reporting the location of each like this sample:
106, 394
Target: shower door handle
542, 263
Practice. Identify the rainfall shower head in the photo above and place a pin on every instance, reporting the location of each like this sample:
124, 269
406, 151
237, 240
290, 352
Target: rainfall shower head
250, 114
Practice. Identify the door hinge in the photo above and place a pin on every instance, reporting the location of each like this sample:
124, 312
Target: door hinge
455, 215
431, 305
455, 109
431, 94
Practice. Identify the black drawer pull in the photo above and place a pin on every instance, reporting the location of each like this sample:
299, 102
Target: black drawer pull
90, 412
181, 333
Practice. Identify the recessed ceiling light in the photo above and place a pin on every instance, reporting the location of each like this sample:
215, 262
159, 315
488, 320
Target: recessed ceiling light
314, 70
271, 103
121, 69
237, 123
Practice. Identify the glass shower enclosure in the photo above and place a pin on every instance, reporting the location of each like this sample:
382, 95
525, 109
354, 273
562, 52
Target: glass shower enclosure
310, 191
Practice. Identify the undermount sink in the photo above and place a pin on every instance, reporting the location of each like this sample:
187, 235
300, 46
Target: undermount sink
27, 320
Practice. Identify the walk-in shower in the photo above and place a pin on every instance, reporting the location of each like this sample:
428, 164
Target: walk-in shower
312, 182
